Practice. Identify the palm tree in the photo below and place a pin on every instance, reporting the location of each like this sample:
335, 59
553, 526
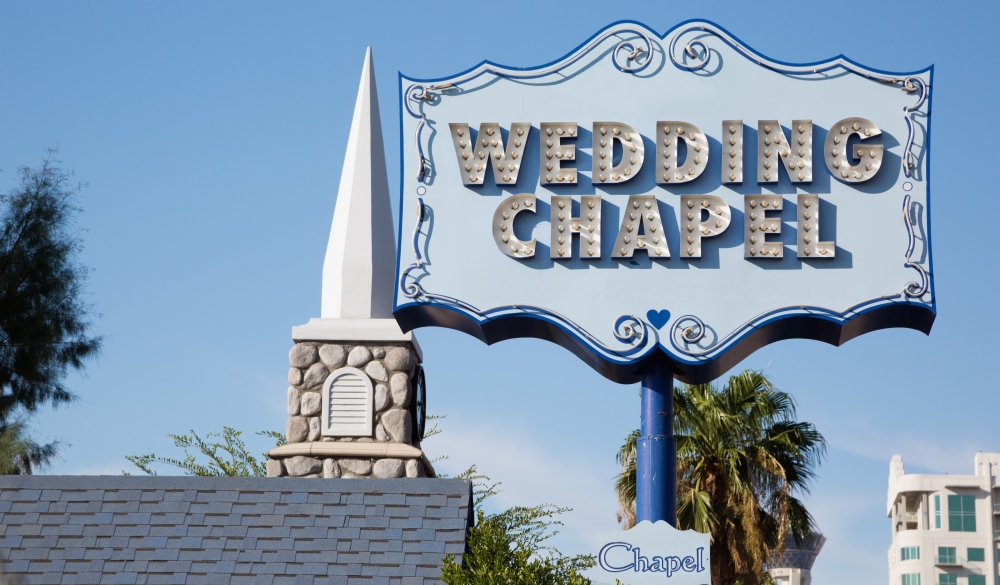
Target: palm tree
740, 457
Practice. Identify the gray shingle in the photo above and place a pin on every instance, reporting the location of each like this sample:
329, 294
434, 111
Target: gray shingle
455, 547
9, 542
396, 571
305, 509
40, 542
296, 497
212, 556
324, 498
386, 546
120, 507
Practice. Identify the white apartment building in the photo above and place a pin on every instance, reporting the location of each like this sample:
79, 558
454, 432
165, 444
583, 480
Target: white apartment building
945, 528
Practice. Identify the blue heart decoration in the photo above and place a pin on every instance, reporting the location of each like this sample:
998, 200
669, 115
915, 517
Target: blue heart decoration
658, 318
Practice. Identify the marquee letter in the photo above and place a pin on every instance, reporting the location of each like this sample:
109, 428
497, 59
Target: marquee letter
869, 158
809, 245
732, 151
552, 134
668, 135
756, 226
503, 226
474, 159
795, 154
605, 135
694, 229
641, 214
564, 226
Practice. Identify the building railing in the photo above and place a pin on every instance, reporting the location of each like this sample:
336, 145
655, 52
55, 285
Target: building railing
947, 560
996, 508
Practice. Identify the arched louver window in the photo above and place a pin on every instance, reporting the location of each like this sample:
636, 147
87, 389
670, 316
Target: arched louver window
418, 402
348, 400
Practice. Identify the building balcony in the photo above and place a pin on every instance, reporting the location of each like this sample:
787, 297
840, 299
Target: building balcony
996, 508
947, 561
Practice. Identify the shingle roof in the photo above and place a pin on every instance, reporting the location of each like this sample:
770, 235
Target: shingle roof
227, 530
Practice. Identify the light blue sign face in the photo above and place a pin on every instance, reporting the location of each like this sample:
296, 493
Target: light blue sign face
653, 554
677, 196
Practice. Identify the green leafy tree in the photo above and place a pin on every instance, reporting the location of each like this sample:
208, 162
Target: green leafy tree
44, 319
229, 457
741, 456
509, 548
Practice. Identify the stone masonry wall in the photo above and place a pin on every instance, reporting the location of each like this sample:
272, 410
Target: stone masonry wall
390, 367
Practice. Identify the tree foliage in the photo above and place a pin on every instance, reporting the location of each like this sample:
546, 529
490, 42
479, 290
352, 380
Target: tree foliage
44, 319
510, 548
229, 457
741, 456
19, 453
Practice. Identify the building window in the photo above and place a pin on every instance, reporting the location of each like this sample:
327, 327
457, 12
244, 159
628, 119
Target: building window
948, 579
962, 513
946, 554
977, 554
937, 511
909, 553
348, 400
911, 579
977, 579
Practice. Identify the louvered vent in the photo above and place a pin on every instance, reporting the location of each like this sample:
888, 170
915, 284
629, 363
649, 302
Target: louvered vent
347, 404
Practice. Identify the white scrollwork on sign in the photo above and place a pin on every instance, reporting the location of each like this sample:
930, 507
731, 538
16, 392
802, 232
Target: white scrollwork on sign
913, 289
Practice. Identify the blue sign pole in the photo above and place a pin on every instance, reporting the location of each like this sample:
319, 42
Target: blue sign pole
656, 452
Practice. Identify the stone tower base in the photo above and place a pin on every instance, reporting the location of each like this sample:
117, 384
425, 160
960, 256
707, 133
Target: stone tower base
390, 359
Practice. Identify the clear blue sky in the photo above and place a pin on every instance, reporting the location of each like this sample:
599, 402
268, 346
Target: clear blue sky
212, 138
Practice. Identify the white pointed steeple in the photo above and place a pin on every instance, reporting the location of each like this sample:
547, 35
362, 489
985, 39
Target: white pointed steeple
360, 265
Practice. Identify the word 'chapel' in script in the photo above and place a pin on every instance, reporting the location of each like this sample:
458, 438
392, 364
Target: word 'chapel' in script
682, 153
637, 562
